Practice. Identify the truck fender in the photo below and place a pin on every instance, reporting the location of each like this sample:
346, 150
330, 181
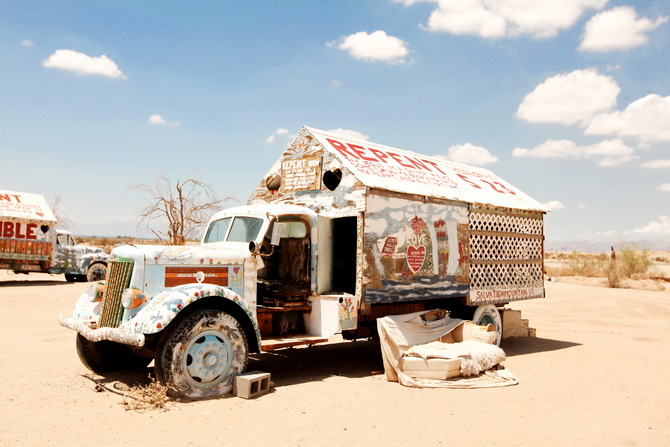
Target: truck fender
164, 307
90, 258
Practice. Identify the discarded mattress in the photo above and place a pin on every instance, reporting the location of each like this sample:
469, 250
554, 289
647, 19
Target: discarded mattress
430, 349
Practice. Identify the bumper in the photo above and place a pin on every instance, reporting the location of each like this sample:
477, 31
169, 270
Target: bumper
104, 333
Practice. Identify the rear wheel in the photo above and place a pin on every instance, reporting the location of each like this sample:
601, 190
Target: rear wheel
202, 355
488, 314
96, 272
105, 356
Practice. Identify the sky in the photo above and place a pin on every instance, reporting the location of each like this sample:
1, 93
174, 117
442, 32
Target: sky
568, 100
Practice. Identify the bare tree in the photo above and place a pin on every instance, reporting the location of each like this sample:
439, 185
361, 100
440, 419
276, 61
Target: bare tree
58, 209
186, 206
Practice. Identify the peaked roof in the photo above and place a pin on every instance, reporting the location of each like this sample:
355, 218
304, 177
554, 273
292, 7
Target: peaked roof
393, 169
25, 206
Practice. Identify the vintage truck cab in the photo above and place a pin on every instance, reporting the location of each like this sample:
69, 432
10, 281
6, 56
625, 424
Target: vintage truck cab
337, 234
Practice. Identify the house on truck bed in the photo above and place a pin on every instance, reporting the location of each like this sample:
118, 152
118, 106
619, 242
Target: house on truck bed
399, 232
338, 233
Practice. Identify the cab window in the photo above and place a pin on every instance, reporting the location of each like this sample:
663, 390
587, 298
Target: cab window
217, 230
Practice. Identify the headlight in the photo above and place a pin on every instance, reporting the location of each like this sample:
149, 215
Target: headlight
96, 291
132, 298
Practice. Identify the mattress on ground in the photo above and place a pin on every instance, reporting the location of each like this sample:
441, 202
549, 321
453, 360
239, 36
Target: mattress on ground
432, 368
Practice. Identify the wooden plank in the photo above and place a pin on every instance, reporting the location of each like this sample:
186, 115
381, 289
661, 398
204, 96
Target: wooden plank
271, 344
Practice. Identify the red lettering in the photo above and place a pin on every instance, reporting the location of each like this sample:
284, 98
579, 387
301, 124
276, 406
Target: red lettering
7, 229
17, 232
382, 156
360, 151
8, 197
433, 164
418, 164
341, 148
473, 184
398, 160
30, 231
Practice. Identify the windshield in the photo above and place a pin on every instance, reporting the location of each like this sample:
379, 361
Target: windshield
243, 229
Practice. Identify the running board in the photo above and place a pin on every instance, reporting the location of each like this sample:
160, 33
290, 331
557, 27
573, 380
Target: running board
270, 344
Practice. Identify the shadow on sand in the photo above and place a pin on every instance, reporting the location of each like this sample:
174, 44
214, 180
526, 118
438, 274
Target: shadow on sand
26, 283
532, 345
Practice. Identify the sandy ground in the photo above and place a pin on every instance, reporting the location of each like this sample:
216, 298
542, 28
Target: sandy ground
597, 373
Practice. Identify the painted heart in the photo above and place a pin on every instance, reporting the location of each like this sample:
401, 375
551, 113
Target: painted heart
416, 257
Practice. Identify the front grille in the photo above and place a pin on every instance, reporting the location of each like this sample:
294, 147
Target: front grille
118, 279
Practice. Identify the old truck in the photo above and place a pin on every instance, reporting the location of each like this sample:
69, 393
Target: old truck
338, 233
29, 241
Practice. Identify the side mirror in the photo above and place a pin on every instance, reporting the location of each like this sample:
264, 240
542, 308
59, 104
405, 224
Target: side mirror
276, 234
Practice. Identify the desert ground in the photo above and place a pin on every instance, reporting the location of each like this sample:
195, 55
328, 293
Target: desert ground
597, 373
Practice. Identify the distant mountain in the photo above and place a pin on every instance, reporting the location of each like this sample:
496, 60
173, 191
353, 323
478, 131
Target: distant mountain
600, 247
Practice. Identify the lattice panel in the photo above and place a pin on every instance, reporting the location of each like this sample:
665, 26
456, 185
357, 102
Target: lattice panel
504, 248
486, 276
506, 223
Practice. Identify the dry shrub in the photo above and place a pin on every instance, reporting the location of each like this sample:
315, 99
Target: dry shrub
153, 396
590, 265
634, 261
613, 275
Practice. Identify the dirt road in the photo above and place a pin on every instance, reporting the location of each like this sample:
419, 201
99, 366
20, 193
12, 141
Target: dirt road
597, 373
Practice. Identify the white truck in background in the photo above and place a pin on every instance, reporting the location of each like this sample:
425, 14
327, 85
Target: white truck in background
30, 243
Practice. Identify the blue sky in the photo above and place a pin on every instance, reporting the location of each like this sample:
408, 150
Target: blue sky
569, 100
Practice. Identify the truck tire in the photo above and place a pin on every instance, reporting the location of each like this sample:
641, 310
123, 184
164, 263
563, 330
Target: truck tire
202, 355
105, 356
488, 314
96, 272
69, 277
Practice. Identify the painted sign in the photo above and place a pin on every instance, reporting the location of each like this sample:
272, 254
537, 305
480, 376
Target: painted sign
394, 169
176, 276
505, 295
415, 249
25, 206
302, 174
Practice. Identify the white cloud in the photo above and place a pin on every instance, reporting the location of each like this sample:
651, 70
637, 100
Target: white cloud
273, 137
646, 118
469, 154
660, 226
610, 152
347, 133
27, 43
375, 47
617, 29
656, 164
157, 120
554, 205
570, 98
664, 187
335, 83
502, 18
81, 63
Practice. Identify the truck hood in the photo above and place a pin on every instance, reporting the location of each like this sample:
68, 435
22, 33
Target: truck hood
217, 253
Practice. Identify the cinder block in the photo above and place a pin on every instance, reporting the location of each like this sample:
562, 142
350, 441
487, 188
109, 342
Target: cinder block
251, 384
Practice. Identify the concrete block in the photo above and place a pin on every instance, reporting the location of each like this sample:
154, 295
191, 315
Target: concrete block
251, 384
514, 325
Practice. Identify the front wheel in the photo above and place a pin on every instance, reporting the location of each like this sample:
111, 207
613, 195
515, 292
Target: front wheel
96, 272
202, 355
488, 314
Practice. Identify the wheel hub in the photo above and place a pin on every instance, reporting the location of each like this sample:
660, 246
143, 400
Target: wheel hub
208, 358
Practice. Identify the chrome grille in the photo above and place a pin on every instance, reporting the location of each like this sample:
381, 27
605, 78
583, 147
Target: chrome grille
118, 279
